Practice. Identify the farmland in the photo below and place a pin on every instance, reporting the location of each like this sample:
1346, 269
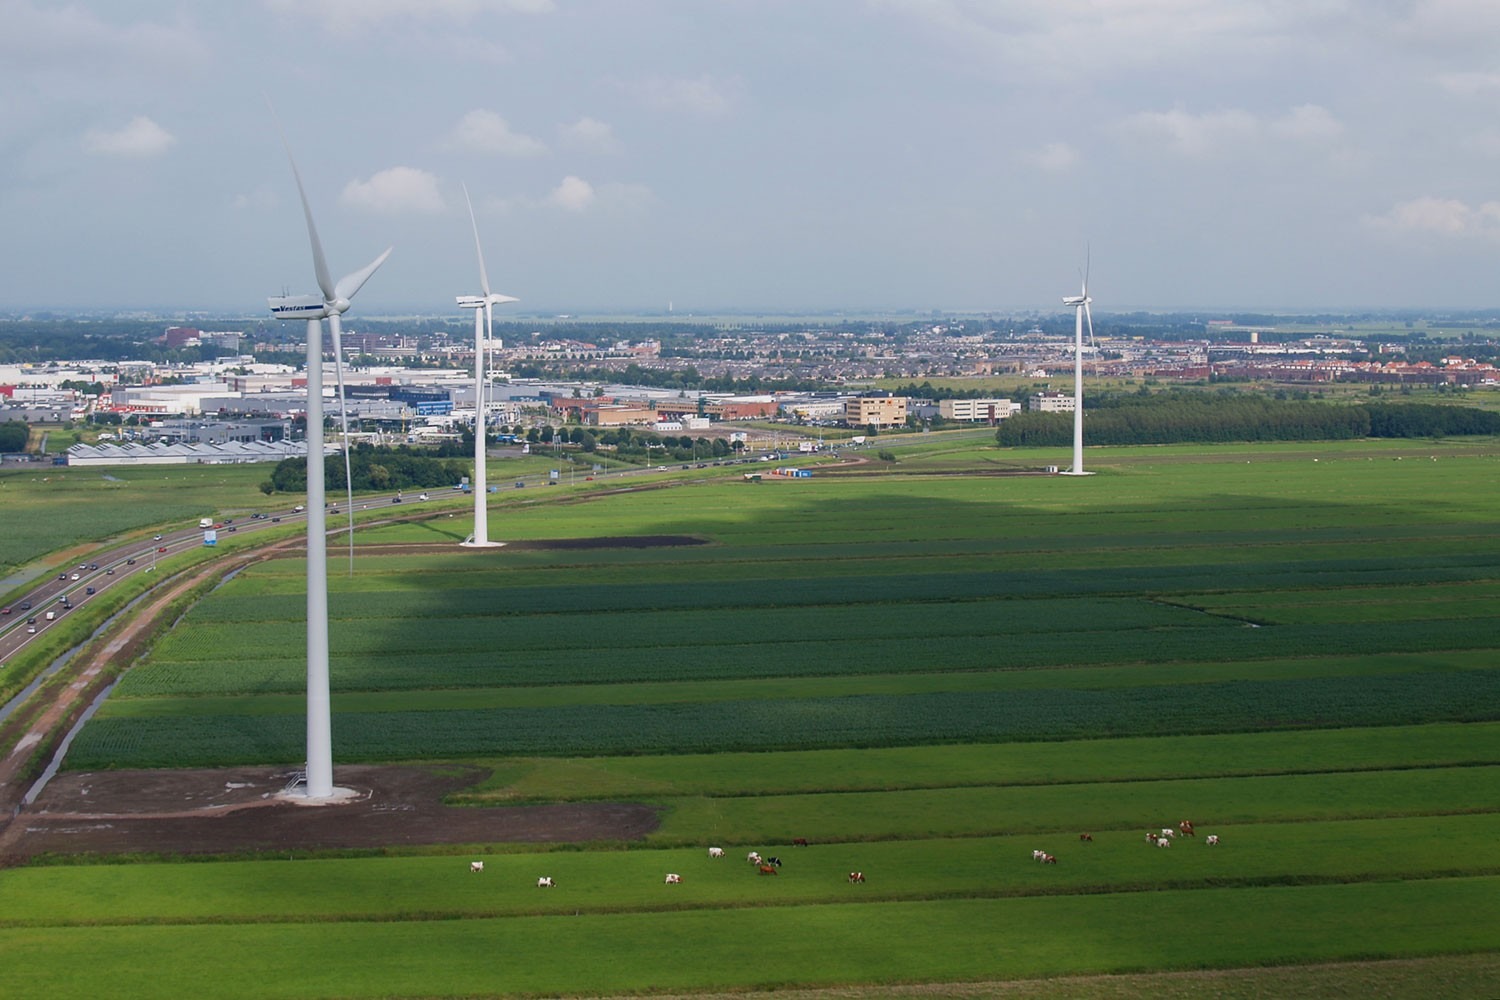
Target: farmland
928, 676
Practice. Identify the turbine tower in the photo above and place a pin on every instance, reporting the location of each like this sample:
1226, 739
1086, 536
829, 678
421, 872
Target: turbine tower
482, 333
1080, 304
314, 308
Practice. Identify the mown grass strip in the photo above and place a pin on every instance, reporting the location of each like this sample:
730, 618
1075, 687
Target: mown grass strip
1081, 761
1050, 809
763, 947
436, 888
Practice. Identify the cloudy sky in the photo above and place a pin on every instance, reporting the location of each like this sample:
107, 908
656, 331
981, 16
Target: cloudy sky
755, 154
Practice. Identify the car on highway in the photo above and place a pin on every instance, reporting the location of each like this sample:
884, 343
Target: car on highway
62, 576
423, 496
93, 565
110, 571
232, 527
31, 630
298, 509
395, 499
156, 539
162, 549
4, 611
24, 605
130, 561
275, 520
77, 577
89, 591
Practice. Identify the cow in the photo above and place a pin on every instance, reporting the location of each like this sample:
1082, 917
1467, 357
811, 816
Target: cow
1038, 855
476, 866
1163, 842
799, 841
856, 876
1049, 859
716, 852
545, 882
1212, 840
774, 861
767, 869
1085, 838
1167, 831
1151, 838
1186, 826
673, 879
753, 858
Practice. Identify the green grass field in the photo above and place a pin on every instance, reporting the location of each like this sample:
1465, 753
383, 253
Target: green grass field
927, 675
62, 507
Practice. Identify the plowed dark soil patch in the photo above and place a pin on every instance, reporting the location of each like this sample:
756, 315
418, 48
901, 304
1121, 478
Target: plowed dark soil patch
234, 810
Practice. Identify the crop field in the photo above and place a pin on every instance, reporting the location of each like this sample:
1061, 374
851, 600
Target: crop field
928, 677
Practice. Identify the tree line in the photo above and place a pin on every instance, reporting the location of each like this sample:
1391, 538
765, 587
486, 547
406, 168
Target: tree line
1174, 419
371, 469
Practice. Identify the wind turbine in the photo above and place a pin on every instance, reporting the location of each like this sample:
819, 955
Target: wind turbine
314, 308
1080, 304
482, 333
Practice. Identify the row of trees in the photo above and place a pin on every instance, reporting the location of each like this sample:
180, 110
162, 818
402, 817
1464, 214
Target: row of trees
1176, 418
13, 436
372, 469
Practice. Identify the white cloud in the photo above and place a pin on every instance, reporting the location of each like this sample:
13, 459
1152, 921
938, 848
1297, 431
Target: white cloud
1469, 84
1306, 122
395, 191
1075, 39
58, 35
1440, 217
345, 15
590, 136
1190, 134
142, 137
702, 97
574, 194
1217, 133
262, 199
1055, 157
484, 131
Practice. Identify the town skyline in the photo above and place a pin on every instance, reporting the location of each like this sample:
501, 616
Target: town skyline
877, 156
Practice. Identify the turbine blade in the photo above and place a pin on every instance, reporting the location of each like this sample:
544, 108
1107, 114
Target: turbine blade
335, 328
1089, 316
350, 284
320, 265
484, 279
1088, 255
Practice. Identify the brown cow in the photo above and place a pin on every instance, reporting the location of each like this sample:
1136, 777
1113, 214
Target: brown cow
1186, 826
1086, 838
856, 876
767, 869
799, 841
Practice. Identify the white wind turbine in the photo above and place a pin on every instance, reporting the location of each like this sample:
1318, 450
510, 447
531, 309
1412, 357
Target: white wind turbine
482, 333
1080, 304
314, 308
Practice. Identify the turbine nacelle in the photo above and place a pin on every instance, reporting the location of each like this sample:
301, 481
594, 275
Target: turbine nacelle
1077, 300
298, 307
